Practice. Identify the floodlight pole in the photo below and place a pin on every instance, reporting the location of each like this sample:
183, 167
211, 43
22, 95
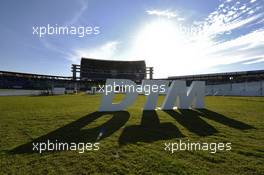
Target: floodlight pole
75, 69
149, 73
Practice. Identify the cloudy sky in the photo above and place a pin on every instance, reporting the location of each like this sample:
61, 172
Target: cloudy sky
176, 37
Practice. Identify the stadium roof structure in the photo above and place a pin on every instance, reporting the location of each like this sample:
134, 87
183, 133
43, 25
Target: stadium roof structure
215, 78
36, 76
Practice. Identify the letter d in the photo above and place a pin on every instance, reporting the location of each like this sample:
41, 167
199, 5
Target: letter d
106, 102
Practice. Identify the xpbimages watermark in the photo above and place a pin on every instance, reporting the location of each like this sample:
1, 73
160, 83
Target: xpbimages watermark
79, 31
49, 145
131, 88
173, 147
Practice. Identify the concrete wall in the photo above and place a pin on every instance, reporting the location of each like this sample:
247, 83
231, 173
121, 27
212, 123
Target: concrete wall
237, 89
18, 92
58, 91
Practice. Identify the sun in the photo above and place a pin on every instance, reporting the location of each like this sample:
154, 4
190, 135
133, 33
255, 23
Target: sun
158, 38
162, 44
165, 45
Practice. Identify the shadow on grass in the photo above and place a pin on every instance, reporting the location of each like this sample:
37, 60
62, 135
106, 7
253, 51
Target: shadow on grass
149, 130
206, 113
190, 120
73, 132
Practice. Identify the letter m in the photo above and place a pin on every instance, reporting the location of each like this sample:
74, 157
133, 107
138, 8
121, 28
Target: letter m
184, 98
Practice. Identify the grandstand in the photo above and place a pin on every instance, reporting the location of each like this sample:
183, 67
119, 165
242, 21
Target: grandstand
100, 70
244, 83
16, 80
221, 78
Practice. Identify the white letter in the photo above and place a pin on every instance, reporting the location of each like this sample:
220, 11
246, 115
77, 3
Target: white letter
184, 99
153, 96
106, 103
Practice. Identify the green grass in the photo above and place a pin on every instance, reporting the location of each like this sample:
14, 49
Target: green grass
133, 140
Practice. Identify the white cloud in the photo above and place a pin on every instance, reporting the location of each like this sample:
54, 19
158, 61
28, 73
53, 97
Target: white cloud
53, 47
107, 50
162, 13
79, 13
255, 61
243, 7
236, 17
181, 19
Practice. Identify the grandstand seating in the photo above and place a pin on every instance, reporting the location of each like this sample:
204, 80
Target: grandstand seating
94, 69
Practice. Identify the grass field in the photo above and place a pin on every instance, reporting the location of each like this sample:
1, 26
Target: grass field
132, 140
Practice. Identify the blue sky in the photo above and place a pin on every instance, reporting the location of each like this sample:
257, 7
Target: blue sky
177, 37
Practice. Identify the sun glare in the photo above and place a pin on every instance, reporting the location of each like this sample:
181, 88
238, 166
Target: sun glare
163, 41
